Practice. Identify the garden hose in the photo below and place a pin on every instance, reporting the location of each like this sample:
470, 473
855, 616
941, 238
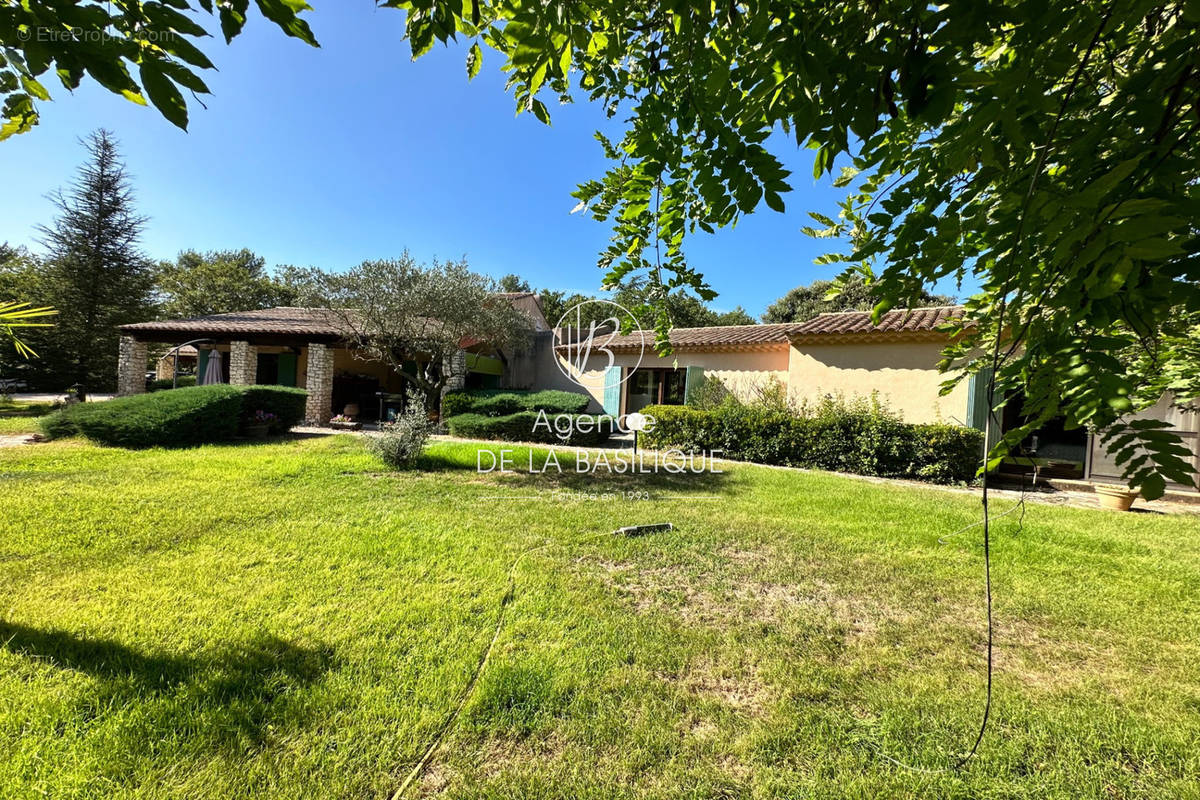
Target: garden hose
509, 592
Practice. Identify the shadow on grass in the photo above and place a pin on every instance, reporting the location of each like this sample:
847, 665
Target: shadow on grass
227, 700
24, 410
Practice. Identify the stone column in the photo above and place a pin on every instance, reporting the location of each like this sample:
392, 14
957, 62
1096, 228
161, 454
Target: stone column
131, 366
243, 363
164, 372
455, 368
318, 409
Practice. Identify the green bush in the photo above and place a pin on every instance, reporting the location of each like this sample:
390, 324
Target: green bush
502, 403
461, 402
400, 443
165, 384
554, 401
60, 424
180, 417
855, 440
523, 427
285, 402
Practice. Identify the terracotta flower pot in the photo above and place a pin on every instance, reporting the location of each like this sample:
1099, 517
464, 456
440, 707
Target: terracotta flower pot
1114, 497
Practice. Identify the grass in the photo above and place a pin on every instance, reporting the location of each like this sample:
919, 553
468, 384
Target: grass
289, 620
20, 416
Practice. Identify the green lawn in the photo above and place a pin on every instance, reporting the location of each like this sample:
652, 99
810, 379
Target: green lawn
289, 620
18, 416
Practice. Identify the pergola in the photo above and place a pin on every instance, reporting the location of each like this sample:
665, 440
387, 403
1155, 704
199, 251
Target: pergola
309, 335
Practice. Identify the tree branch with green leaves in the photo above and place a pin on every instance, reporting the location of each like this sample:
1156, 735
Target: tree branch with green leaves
1045, 152
143, 51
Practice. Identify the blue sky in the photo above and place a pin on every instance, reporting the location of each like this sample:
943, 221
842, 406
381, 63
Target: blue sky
329, 156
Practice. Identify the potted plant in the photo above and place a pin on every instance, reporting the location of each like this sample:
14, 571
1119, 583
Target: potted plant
260, 424
343, 423
1116, 497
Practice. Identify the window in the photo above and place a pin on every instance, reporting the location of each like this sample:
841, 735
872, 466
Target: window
647, 387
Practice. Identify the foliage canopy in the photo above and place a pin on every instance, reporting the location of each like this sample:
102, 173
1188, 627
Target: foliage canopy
416, 318
1046, 150
819, 297
196, 284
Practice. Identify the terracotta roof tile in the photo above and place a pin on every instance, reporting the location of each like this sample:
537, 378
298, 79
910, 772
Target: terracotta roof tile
897, 321
283, 320
720, 337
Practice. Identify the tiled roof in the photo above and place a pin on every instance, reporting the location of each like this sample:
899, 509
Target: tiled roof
899, 321
734, 337
284, 320
293, 321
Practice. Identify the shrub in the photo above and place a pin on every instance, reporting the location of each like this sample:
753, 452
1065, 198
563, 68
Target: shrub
165, 384
400, 443
502, 403
710, 393
859, 439
190, 416
554, 401
59, 425
584, 430
184, 416
287, 403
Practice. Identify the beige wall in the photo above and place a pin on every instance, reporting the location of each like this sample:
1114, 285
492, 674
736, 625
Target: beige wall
741, 372
904, 374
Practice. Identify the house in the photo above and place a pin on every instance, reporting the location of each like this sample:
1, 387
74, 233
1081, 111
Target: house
306, 347
830, 354
845, 354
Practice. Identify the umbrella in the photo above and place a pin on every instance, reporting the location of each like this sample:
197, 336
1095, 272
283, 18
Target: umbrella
212, 372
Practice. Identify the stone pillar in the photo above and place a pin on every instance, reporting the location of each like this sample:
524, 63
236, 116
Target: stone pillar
455, 368
132, 357
164, 372
243, 364
319, 407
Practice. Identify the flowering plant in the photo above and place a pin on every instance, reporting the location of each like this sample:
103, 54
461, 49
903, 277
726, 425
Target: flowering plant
340, 418
265, 417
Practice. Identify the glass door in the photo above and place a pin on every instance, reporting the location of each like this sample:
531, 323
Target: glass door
642, 390
647, 387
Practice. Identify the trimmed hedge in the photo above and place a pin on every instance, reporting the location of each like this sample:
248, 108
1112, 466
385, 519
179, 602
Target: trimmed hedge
285, 402
857, 442
178, 417
502, 403
519, 427
455, 403
164, 384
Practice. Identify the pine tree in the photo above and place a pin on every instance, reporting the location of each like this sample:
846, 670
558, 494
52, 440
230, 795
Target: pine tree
95, 273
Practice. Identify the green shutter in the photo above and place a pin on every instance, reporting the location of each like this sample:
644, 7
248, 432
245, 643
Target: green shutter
201, 366
693, 380
612, 391
286, 375
977, 396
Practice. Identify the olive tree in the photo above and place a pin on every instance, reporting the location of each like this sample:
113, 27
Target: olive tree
416, 318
